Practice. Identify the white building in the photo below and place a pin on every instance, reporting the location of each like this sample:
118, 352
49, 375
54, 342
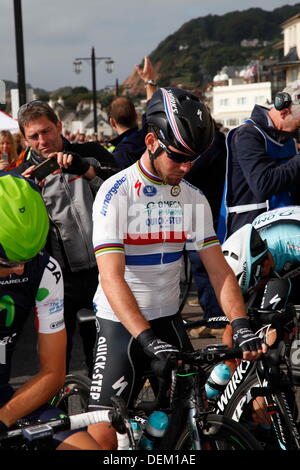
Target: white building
232, 104
290, 62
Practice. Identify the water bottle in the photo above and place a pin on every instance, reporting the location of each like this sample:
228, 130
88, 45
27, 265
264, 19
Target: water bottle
217, 380
136, 430
155, 428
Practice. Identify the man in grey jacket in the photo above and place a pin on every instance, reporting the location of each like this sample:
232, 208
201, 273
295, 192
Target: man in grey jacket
69, 196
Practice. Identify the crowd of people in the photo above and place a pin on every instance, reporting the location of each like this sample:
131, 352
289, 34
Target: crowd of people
106, 231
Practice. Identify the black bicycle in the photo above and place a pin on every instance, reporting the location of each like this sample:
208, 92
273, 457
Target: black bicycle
73, 397
181, 396
262, 395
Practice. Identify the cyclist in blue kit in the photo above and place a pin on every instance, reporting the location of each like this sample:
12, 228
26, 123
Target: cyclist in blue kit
143, 216
31, 279
267, 248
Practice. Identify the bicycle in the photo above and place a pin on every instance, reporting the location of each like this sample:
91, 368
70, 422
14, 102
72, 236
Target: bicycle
73, 397
266, 386
191, 424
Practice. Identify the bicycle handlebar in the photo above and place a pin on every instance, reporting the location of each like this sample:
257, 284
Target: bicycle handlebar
42, 430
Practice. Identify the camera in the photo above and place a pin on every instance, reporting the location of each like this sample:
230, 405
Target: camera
45, 168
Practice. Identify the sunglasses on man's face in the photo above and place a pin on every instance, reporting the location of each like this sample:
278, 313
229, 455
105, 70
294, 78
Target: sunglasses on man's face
176, 156
5, 263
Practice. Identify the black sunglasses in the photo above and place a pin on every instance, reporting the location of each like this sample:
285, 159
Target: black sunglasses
176, 156
32, 104
5, 263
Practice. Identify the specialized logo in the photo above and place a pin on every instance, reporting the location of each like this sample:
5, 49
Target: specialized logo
138, 186
120, 385
275, 301
149, 190
175, 190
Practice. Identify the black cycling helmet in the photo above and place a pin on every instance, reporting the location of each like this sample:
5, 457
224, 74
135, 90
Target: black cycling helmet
180, 119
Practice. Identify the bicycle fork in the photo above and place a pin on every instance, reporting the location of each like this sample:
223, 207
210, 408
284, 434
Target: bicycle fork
281, 416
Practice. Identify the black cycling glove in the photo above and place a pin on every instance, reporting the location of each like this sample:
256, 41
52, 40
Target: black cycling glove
3, 429
155, 347
244, 337
79, 165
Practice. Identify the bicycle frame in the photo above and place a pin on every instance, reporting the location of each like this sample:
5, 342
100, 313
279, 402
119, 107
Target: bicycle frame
269, 374
243, 371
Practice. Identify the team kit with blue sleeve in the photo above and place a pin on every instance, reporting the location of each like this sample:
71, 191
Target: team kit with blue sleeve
281, 229
135, 213
40, 288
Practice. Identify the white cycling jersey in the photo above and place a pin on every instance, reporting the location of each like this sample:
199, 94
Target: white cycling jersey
135, 213
49, 301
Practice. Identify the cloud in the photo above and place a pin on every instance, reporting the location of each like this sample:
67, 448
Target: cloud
58, 31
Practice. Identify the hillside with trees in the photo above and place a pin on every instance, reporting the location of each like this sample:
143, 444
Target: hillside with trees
195, 53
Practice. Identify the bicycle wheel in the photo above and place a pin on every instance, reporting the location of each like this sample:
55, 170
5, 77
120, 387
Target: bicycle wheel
74, 395
253, 414
221, 433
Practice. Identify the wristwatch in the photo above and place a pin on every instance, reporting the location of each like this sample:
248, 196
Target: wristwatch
150, 82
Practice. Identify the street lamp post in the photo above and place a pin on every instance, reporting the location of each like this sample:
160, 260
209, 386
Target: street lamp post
109, 68
20, 51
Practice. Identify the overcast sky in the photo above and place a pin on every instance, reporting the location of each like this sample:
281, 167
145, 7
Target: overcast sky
57, 31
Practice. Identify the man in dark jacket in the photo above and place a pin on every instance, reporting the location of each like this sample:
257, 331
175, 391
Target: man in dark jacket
129, 144
69, 198
263, 165
208, 174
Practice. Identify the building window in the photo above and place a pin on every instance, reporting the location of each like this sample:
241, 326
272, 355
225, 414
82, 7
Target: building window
260, 99
224, 102
241, 100
232, 122
294, 74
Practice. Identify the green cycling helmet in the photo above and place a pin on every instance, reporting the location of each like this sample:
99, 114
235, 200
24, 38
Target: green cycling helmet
24, 219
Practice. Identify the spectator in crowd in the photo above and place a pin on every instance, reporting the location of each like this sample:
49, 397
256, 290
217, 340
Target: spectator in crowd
20, 142
263, 164
129, 145
208, 174
69, 197
8, 151
80, 137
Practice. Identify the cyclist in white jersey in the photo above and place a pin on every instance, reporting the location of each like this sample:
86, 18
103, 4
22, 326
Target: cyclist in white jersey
143, 216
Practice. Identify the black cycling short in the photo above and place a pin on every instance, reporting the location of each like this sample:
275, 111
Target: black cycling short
120, 362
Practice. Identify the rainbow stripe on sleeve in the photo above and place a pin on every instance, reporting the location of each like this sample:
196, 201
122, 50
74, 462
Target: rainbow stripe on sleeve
109, 248
210, 241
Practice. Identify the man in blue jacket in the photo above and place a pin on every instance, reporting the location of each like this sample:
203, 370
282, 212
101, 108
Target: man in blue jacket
263, 165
